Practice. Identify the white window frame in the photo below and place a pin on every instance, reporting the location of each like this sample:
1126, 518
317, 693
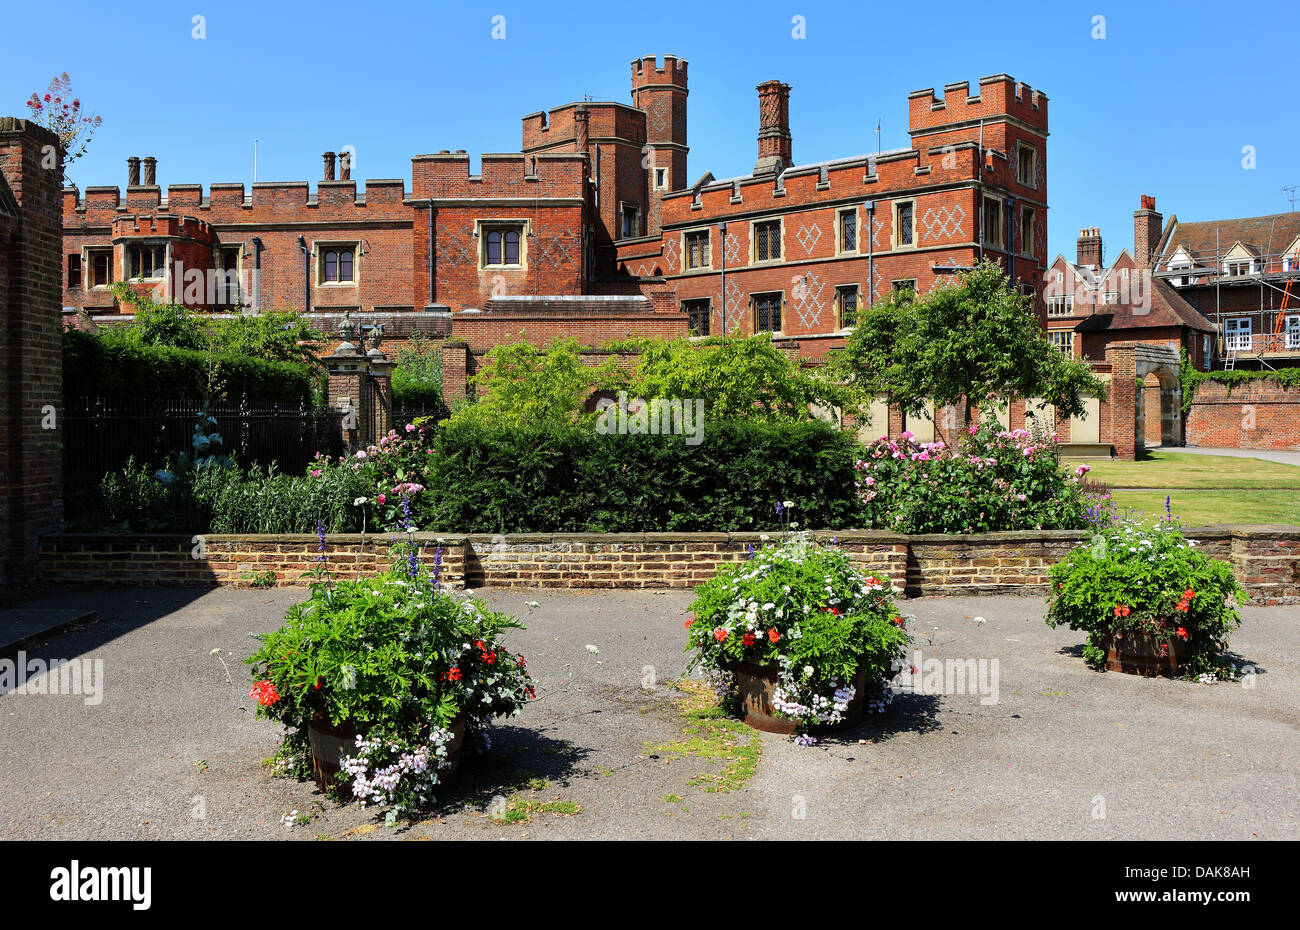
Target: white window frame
894, 238
1291, 327
1238, 333
839, 231
1060, 305
481, 230
660, 178
1063, 339
323, 246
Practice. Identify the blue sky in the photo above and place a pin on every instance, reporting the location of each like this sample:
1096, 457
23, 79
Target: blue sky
1163, 105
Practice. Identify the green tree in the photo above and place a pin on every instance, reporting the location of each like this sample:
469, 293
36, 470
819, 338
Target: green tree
737, 377
275, 335
961, 344
524, 385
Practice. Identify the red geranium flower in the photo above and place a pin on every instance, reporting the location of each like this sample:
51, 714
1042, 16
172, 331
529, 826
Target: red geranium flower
773, 635
452, 674
720, 634
689, 622
748, 639
265, 693
1182, 632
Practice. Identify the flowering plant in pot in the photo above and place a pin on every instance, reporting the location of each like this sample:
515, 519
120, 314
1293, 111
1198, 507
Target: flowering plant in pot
1149, 600
396, 670
797, 636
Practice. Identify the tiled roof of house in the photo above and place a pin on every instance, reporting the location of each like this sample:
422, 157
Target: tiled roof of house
1265, 234
1164, 308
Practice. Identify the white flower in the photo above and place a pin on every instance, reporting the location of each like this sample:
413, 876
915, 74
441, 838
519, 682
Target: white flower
787, 504
592, 649
979, 619
358, 502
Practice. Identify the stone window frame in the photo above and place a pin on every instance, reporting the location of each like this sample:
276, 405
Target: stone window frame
1060, 305
1021, 148
997, 242
686, 255
482, 227
841, 290
320, 246
80, 271
128, 264
219, 267
912, 286
753, 312
654, 177
707, 317
839, 231
895, 242
780, 243
1027, 242
623, 207
88, 255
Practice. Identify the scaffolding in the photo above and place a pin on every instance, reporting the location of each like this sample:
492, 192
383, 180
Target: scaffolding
1267, 334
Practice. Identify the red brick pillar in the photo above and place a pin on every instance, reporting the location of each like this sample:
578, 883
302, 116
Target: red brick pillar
1122, 401
455, 371
31, 344
1154, 410
381, 376
348, 369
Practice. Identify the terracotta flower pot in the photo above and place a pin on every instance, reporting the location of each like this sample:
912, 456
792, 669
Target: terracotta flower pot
330, 743
757, 683
1137, 653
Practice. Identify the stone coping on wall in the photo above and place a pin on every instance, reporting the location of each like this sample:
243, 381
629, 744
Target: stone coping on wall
1266, 558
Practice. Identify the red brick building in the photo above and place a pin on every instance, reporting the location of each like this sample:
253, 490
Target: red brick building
596, 204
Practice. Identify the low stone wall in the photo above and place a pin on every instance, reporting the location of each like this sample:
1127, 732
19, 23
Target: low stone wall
1253, 415
1265, 558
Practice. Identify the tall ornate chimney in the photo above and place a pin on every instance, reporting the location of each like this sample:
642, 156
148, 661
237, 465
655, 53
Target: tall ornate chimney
150, 171
133, 171
773, 128
329, 166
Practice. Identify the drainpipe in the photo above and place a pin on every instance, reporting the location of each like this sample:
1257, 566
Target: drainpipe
870, 208
430, 251
306, 275
722, 251
257, 274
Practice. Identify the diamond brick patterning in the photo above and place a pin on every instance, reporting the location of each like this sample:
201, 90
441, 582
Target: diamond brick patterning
876, 226
808, 237
670, 254
734, 303
554, 250
732, 248
659, 118
943, 223
808, 299
455, 249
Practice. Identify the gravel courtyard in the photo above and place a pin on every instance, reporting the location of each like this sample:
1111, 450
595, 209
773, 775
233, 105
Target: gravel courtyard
174, 750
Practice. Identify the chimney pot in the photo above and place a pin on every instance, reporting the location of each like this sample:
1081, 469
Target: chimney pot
329, 166
133, 171
345, 166
150, 171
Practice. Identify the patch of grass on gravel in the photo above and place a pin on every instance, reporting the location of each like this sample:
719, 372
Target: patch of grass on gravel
714, 737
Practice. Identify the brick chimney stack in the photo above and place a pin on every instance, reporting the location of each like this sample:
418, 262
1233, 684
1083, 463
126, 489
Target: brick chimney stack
345, 166
773, 128
133, 171
329, 166
1089, 247
1147, 226
150, 171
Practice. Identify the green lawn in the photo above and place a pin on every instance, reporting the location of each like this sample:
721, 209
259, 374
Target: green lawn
1203, 489
1206, 507
1183, 470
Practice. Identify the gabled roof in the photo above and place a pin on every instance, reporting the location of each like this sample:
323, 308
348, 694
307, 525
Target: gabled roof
1164, 308
1270, 234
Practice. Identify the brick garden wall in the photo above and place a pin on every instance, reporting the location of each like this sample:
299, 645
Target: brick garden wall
1266, 559
1255, 415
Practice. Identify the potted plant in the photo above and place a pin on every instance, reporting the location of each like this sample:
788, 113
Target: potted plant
796, 637
1151, 603
380, 681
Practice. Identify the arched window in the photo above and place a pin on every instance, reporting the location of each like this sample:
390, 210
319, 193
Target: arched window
502, 245
338, 266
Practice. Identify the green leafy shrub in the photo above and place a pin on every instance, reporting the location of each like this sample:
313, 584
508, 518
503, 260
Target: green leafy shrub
569, 478
989, 480
96, 366
401, 660
1135, 578
808, 611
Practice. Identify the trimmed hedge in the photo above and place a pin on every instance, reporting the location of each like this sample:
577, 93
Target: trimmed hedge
573, 479
93, 366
